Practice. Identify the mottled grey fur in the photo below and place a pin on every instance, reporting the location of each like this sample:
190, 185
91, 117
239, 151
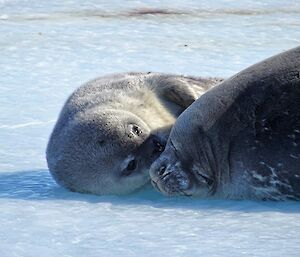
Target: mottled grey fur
112, 128
241, 139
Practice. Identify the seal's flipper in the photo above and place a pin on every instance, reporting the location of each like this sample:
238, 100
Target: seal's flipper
182, 90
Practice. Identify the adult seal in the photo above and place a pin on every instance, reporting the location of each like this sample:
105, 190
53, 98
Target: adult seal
241, 139
111, 129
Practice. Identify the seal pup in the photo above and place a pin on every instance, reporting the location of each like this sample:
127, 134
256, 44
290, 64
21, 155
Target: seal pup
111, 129
241, 139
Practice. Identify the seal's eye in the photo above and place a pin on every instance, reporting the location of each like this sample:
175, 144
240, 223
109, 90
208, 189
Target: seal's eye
131, 165
136, 130
130, 168
205, 179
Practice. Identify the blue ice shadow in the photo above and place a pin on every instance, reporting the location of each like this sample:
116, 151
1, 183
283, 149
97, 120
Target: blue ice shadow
39, 185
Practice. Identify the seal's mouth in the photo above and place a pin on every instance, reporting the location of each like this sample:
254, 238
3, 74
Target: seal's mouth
171, 179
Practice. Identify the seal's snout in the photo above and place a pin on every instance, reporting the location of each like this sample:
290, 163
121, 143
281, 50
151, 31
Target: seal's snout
158, 145
160, 169
168, 177
157, 169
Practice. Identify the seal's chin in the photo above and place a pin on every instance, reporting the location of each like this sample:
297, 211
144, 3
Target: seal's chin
171, 179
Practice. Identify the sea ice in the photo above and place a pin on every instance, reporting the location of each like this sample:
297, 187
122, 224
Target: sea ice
48, 48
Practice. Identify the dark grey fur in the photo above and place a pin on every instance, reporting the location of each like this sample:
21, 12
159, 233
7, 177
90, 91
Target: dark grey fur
241, 139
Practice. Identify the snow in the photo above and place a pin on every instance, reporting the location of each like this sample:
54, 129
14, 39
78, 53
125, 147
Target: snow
48, 48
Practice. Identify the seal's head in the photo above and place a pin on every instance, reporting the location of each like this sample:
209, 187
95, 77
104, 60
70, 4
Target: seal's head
103, 152
185, 166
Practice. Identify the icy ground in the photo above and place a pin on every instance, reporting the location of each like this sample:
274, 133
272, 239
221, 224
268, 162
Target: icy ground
48, 48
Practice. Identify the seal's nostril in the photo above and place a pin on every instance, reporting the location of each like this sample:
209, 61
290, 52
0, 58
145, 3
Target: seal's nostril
161, 170
158, 146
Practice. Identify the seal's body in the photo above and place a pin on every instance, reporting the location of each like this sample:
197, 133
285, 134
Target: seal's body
241, 139
111, 129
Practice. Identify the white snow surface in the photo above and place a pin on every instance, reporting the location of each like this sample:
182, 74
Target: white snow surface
49, 48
